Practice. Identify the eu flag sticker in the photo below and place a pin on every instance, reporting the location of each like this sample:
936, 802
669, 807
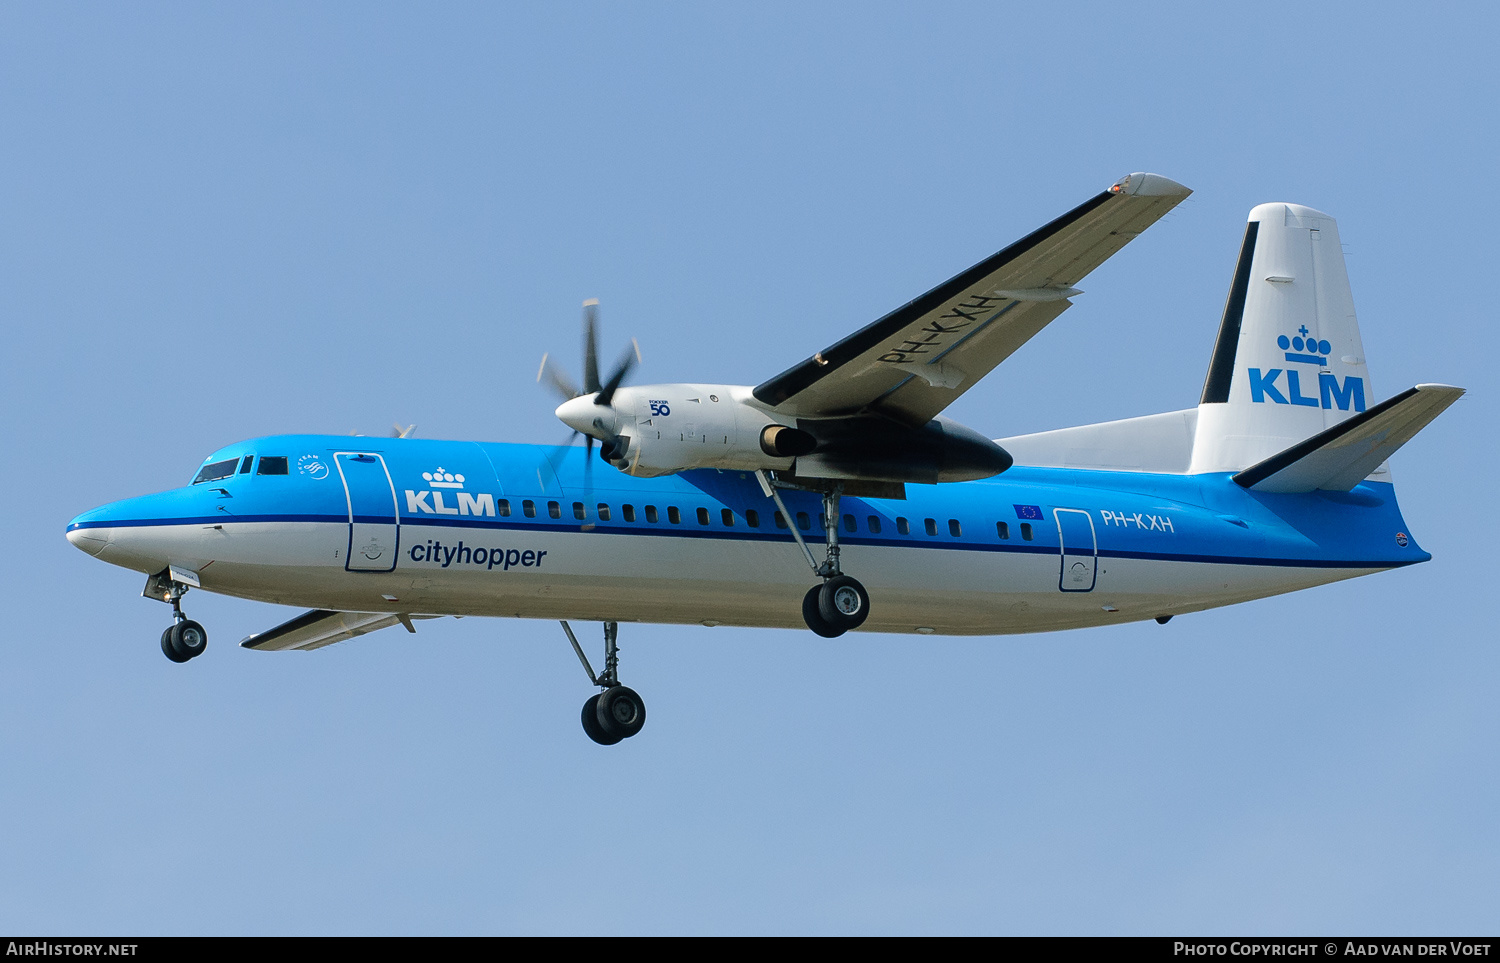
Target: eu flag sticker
1029, 511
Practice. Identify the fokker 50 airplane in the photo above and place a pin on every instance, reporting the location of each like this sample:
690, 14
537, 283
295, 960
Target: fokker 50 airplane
1276, 481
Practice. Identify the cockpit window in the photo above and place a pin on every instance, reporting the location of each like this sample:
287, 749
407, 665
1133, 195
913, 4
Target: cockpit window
245, 465
271, 465
216, 471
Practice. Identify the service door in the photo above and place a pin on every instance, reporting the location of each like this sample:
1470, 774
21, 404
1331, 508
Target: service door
374, 526
1080, 553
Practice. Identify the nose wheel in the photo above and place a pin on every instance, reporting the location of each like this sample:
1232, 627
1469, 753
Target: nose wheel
618, 712
184, 639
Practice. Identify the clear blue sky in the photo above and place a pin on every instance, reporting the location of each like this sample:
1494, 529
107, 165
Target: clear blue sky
221, 221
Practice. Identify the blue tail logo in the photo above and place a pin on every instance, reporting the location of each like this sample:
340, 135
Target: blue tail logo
1268, 385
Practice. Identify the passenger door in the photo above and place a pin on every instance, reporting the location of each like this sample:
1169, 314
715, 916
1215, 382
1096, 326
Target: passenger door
1080, 551
374, 522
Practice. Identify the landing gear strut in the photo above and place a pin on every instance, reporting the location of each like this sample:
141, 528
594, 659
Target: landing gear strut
618, 712
840, 603
184, 639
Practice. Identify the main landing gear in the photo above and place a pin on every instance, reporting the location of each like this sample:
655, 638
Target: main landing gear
184, 639
618, 712
840, 603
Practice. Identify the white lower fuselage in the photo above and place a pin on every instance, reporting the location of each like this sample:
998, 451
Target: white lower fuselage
668, 578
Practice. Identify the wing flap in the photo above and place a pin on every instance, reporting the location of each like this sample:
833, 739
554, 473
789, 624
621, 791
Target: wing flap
913, 362
319, 627
1340, 457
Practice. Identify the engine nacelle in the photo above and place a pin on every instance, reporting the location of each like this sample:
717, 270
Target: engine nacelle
682, 426
871, 448
661, 429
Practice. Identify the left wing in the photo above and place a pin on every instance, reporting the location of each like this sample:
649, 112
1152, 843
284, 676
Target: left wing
315, 629
912, 363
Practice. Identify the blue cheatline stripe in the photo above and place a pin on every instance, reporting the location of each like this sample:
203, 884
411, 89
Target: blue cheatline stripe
684, 531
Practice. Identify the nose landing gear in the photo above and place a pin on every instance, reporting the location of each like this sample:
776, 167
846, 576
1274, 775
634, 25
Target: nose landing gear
618, 712
184, 639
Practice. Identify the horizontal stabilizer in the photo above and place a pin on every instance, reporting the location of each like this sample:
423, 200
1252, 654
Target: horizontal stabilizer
315, 629
1340, 457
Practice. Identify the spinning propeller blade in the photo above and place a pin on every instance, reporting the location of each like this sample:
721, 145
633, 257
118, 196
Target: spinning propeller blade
627, 361
553, 376
591, 346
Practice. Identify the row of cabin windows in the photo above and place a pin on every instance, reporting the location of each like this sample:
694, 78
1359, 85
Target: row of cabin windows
751, 517
277, 465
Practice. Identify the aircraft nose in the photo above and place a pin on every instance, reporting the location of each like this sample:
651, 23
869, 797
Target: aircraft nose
85, 536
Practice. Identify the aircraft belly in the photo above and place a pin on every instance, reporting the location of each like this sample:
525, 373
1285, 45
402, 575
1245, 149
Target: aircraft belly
686, 580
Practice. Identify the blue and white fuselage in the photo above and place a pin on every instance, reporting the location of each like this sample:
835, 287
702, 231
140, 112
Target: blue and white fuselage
360, 524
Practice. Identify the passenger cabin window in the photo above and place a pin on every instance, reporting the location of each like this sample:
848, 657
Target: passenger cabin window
528, 507
955, 529
673, 515
803, 522
850, 525
1026, 531
651, 515
752, 518
628, 511
702, 516
1002, 529
780, 520
271, 465
902, 525
554, 510
504, 506
216, 471
931, 525
579, 512
728, 517
603, 512
245, 465
873, 523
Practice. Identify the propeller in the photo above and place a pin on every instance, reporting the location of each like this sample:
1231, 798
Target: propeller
589, 411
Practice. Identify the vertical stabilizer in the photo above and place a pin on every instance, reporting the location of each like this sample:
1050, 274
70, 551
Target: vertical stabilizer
1288, 362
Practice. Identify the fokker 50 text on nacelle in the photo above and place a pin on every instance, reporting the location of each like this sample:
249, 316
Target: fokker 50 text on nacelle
1276, 481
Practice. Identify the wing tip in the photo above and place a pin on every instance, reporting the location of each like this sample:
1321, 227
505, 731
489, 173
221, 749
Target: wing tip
1142, 184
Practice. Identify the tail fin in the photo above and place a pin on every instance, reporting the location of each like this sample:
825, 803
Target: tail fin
1288, 362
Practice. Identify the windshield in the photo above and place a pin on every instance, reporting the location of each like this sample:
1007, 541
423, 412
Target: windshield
216, 471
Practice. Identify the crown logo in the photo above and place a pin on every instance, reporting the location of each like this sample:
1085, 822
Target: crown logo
443, 479
1316, 352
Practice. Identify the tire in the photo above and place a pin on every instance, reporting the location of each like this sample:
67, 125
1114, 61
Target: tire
167, 649
814, 618
188, 639
843, 603
621, 710
591, 725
